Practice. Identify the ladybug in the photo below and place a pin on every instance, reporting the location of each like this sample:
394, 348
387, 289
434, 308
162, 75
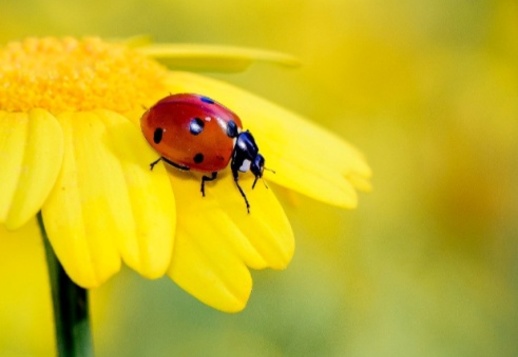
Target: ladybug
194, 132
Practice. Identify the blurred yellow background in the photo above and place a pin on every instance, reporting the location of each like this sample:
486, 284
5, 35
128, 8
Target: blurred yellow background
426, 266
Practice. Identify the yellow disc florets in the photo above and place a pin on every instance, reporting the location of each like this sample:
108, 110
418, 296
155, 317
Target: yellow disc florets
74, 75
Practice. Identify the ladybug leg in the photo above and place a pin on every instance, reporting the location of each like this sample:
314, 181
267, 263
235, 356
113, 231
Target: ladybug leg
152, 165
178, 166
205, 179
255, 181
236, 177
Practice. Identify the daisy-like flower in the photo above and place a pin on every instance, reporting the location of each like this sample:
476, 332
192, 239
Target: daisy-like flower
71, 147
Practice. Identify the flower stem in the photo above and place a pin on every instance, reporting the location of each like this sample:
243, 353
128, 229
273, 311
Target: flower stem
70, 302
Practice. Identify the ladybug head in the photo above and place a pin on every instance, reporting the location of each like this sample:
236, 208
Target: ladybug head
246, 156
257, 167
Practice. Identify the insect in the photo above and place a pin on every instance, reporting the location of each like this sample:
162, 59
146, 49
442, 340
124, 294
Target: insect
194, 132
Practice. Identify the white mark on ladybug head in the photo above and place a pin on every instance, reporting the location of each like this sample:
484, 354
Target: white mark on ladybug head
245, 166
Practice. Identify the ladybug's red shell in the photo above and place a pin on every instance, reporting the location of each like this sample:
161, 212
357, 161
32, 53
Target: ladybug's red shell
191, 131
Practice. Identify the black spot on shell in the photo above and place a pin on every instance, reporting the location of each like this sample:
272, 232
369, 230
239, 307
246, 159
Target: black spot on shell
196, 126
157, 135
198, 158
206, 100
231, 129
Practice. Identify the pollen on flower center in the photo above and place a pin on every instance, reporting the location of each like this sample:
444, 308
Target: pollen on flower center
76, 74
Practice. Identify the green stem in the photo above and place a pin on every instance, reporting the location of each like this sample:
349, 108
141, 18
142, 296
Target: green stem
70, 302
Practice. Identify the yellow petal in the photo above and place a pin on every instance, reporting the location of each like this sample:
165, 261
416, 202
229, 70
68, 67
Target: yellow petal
148, 251
306, 157
212, 57
359, 181
217, 239
31, 151
106, 204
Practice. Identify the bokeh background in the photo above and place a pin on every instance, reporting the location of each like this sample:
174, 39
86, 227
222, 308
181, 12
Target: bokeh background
427, 264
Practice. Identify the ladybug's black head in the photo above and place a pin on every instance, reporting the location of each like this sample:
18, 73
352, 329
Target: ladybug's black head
257, 167
246, 156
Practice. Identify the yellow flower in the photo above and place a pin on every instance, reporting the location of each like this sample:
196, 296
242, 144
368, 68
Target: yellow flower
71, 147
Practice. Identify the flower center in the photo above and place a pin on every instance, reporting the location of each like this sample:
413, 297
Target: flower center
75, 75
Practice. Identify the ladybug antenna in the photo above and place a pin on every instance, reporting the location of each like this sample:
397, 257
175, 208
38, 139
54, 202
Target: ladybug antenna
262, 179
255, 181
265, 185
